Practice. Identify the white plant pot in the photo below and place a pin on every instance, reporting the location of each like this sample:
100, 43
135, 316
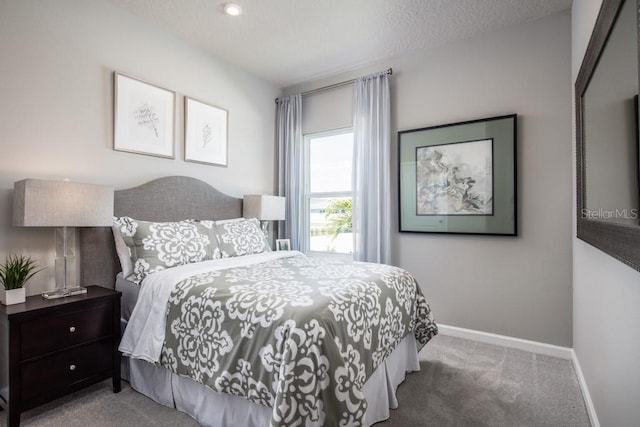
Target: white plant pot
12, 296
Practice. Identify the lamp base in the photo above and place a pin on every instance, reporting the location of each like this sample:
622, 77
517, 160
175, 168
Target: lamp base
264, 225
64, 292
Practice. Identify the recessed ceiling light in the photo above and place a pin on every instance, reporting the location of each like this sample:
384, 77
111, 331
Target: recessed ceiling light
232, 9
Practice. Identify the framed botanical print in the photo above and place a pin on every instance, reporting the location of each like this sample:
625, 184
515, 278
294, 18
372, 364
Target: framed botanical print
144, 117
205, 133
459, 178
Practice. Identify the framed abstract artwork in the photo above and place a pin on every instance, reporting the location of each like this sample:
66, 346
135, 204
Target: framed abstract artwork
144, 117
205, 133
459, 178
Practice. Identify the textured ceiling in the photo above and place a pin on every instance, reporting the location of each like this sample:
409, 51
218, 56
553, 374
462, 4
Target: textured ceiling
290, 41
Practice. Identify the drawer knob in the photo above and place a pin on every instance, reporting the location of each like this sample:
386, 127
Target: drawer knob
72, 329
72, 367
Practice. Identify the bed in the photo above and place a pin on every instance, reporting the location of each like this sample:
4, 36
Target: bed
247, 336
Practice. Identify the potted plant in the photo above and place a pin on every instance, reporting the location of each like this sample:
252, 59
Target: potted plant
14, 274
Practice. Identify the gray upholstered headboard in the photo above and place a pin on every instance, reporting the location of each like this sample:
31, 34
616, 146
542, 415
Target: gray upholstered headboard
172, 198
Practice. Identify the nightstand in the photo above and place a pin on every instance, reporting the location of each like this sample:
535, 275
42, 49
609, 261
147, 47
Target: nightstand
49, 348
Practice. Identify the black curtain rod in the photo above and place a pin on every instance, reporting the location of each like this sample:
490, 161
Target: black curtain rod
333, 86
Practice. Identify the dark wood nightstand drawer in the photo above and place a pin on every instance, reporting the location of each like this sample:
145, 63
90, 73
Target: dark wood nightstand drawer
65, 368
50, 348
45, 335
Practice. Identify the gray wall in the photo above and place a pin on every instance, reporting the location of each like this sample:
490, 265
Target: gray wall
606, 297
521, 286
56, 107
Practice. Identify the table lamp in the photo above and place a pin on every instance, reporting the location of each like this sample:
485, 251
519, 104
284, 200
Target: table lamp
265, 208
62, 204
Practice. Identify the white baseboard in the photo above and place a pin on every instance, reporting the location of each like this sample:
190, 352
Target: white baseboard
591, 409
505, 341
534, 347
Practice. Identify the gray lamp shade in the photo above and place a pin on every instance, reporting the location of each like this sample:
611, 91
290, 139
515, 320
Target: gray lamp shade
263, 207
45, 203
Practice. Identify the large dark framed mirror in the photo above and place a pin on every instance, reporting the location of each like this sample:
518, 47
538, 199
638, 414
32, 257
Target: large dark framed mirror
607, 154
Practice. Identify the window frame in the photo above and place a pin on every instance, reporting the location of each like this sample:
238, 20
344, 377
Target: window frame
308, 195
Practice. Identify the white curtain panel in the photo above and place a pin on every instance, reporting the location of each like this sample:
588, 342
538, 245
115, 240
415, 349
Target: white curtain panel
290, 164
371, 171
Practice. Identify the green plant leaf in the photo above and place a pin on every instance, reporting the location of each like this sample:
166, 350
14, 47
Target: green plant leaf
17, 270
339, 215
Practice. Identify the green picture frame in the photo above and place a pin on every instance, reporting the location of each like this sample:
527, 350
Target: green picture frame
459, 178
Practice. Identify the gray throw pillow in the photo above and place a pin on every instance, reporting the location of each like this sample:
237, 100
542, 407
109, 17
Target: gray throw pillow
155, 246
241, 237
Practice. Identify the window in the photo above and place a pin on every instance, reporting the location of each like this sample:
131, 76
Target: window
328, 192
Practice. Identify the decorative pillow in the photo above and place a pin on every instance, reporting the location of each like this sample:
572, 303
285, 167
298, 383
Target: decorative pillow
124, 228
155, 246
241, 237
226, 221
211, 229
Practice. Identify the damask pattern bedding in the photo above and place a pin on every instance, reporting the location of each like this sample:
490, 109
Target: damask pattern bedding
301, 335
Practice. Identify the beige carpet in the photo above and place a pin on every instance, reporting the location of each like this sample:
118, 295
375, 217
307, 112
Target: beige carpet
462, 383
466, 383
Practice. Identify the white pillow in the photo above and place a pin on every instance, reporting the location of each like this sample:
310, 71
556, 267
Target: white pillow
124, 254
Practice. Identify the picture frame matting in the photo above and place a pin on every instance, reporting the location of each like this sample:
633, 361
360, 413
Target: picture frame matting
459, 178
283, 244
144, 117
205, 133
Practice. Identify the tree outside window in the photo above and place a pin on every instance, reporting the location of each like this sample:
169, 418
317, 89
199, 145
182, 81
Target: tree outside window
328, 196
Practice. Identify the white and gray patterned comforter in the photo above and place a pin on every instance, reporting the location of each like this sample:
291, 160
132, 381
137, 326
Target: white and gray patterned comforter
301, 335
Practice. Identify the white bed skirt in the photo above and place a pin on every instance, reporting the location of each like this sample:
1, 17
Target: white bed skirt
210, 408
